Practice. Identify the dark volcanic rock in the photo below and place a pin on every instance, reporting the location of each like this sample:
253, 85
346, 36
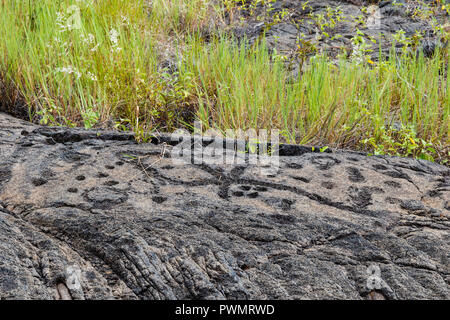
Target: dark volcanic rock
94, 216
295, 27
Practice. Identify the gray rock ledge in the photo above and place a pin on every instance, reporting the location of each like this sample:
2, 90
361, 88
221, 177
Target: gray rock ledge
86, 215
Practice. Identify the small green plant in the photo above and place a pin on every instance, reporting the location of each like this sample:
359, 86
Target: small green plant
361, 48
90, 118
53, 115
328, 20
401, 141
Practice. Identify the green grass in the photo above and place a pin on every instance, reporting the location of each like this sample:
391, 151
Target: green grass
109, 70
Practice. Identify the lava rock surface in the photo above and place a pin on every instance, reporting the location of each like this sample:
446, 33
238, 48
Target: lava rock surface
308, 27
94, 215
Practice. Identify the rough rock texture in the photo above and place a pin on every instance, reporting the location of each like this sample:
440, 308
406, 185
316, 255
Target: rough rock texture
87, 215
331, 24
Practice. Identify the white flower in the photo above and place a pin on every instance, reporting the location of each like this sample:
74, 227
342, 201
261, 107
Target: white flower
91, 76
114, 37
125, 21
60, 20
89, 39
95, 48
69, 70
